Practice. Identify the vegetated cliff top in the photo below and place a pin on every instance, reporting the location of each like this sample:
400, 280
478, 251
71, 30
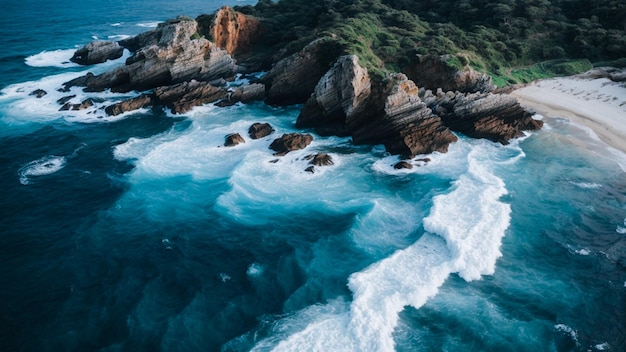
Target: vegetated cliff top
492, 36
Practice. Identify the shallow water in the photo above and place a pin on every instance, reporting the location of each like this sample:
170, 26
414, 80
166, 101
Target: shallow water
142, 233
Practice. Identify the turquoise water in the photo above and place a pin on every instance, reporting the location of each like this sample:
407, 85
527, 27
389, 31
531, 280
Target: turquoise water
141, 233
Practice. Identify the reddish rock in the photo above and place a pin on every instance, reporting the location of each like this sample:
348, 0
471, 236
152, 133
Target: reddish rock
231, 30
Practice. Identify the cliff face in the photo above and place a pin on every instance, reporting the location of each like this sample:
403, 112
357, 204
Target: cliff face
433, 72
181, 69
496, 117
293, 78
171, 55
345, 103
233, 31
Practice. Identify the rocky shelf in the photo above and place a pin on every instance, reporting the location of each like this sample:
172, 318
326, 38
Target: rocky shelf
177, 67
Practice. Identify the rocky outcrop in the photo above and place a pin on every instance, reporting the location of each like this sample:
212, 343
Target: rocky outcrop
139, 102
338, 94
403, 165
290, 142
171, 56
233, 139
97, 52
85, 104
434, 72
612, 73
181, 97
249, 93
260, 130
231, 30
293, 79
321, 159
391, 113
496, 117
38, 93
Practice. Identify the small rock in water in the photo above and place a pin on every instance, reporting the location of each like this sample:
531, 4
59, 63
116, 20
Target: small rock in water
66, 99
290, 142
233, 139
260, 130
310, 169
38, 93
403, 165
321, 159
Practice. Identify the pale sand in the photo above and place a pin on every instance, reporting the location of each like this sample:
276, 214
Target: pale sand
597, 103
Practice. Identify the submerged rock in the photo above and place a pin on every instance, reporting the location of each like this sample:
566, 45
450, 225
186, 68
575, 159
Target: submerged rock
290, 142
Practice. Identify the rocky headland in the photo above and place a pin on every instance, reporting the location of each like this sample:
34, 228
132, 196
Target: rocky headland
188, 62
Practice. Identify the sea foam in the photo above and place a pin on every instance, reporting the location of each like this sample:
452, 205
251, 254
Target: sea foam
55, 58
467, 245
41, 167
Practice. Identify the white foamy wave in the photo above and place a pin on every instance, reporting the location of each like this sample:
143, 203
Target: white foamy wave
587, 185
583, 251
56, 58
117, 24
602, 346
118, 37
18, 106
254, 270
41, 167
151, 24
621, 229
569, 331
479, 219
464, 232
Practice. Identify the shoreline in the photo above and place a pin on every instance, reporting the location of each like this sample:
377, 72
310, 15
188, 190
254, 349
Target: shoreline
599, 104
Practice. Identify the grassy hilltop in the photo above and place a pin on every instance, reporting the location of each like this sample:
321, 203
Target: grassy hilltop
512, 40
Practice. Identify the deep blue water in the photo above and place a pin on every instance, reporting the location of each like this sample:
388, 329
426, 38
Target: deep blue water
142, 234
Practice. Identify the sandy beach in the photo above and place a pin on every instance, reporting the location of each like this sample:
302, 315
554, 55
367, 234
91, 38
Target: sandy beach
598, 103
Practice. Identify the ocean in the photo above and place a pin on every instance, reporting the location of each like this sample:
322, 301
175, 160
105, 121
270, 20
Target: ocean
143, 233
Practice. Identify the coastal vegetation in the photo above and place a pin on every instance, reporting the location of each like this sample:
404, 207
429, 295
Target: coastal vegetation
514, 41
